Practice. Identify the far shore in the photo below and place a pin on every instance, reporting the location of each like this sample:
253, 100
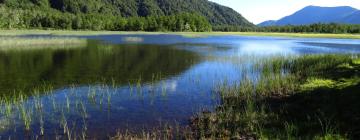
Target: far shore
186, 34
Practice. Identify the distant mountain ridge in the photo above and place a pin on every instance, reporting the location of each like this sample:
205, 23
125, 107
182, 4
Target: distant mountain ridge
216, 14
317, 14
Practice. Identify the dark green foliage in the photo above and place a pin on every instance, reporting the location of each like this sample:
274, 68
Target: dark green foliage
313, 28
57, 20
213, 13
230, 28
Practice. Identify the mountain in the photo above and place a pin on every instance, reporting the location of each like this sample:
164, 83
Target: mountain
268, 23
316, 14
354, 18
216, 14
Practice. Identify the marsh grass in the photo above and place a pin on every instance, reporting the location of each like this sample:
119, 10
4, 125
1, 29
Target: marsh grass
33, 115
275, 104
31, 43
165, 132
314, 83
66, 112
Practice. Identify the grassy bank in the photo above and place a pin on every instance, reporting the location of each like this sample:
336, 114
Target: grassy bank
310, 97
186, 34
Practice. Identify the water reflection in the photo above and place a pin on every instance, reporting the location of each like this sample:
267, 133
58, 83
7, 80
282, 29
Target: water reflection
97, 63
265, 48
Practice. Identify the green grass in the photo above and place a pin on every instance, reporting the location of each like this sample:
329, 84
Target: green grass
17, 43
306, 97
314, 83
356, 61
186, 34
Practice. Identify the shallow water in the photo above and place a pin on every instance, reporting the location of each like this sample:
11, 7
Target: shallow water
134, 82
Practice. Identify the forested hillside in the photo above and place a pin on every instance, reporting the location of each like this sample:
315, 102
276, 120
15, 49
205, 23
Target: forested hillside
77, 14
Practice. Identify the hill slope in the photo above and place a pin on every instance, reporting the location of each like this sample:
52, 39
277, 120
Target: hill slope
316, 14
214, 13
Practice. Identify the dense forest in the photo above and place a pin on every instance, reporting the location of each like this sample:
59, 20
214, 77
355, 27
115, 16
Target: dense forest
315, 28
312, 28
113, 14
29, 19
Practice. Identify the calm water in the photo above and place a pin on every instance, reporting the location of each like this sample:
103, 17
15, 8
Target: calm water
135, 82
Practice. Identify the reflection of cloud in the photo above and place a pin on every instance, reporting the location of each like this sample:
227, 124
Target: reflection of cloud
133, 39
264, 48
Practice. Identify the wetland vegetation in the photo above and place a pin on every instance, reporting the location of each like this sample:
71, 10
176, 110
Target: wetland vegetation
306, 97
18, 43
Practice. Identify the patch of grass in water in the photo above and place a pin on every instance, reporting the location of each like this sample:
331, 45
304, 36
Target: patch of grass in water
17, 43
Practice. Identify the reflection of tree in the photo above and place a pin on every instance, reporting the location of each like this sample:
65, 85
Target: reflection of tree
96, 64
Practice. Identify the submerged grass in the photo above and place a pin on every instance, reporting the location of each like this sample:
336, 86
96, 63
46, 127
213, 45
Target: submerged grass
43, 114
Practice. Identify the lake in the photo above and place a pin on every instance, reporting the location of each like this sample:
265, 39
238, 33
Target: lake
131, 82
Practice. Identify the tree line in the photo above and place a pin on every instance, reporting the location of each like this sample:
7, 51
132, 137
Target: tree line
52, 19
312, 28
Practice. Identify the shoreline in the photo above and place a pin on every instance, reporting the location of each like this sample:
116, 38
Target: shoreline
185, 34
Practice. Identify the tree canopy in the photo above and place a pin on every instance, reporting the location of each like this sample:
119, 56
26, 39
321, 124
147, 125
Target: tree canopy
33, 18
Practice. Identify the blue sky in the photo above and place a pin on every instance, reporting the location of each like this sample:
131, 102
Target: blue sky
257, 11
